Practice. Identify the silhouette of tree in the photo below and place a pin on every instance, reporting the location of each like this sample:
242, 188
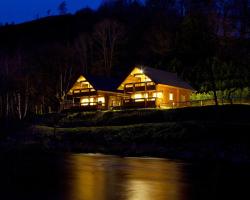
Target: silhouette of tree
62, 8
108, 34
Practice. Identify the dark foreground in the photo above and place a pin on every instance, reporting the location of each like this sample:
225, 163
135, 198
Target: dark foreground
40, 176
207, 134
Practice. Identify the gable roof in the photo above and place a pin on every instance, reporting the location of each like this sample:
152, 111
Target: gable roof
103, 83
166, 78
99, 83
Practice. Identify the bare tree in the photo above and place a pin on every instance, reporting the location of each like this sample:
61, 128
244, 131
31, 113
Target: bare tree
15, 87
83, 48
108, 35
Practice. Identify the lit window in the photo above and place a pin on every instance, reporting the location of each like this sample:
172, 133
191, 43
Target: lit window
101, 100
183, 98
171, 96
137, 96
84, 85
85, 102
140, 97
158, 95
129, 85
139, 100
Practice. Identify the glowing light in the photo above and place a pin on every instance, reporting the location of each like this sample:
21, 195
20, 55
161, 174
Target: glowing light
80, 79
158, 95
138, 96
101, 99
171, 96
84, 101
87, 101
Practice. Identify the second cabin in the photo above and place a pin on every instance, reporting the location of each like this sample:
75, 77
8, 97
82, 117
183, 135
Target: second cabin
149, 87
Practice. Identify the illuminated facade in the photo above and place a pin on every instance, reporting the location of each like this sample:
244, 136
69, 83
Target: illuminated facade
93, 93
143, 88
148, 87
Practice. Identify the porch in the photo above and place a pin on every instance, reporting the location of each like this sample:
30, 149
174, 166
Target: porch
88, 106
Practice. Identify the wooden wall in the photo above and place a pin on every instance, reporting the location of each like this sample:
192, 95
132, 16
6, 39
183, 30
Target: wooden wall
180, 96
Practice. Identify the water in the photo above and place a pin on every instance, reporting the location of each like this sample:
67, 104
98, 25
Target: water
100, 177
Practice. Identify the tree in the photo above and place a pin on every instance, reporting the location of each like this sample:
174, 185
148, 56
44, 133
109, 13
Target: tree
219, 76
83, 48
62, 8
206, 77
48, 12
108, 34
164, 5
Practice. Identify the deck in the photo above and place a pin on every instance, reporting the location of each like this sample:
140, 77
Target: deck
140, 103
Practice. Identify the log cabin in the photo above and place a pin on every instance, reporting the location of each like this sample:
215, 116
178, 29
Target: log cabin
149, 87
93, 93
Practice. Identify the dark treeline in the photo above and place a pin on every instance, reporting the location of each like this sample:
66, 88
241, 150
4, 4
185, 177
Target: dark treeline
205, 42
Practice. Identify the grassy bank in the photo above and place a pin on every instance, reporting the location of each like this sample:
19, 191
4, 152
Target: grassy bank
128, 117
191, 133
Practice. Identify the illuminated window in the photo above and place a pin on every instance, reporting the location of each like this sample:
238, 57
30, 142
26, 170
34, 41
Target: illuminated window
84, 101
183, 98
129, 85
171, 96
146, 95
87, 101
101, 100
150, 83
158, 95
137, 96
84, 85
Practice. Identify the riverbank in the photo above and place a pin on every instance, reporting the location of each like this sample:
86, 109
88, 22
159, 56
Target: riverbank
207, 134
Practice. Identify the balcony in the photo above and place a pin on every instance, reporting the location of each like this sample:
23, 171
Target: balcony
140, 103
82, 106
138, 87
84, 92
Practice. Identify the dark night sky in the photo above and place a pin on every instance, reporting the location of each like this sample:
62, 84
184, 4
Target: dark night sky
25, 10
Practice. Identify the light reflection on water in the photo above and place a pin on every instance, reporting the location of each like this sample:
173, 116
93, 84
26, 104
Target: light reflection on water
100, 177
105, 177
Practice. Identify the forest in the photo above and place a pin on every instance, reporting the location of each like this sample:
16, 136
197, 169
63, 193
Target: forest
206, 42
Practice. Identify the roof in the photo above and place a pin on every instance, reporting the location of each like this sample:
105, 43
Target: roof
103, 83
166, 78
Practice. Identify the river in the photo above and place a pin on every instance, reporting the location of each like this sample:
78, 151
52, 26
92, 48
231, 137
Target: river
103, 177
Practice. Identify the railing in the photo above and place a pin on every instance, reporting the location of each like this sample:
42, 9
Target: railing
139, 103
142, 86
82, 106
84, 92
151, 103
206, 102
